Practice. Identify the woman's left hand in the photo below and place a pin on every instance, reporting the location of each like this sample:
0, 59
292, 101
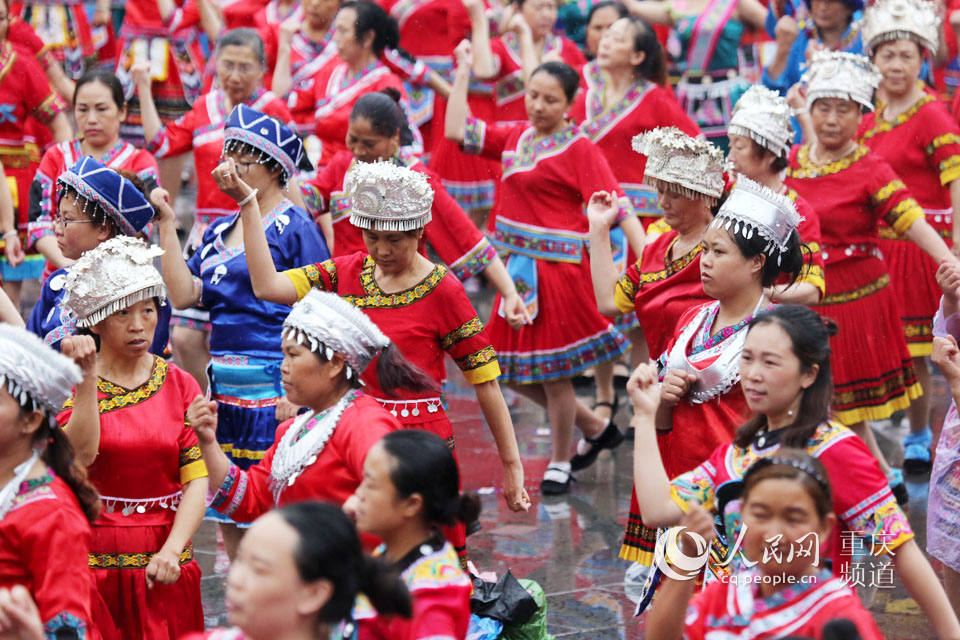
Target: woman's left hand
644, 389
285, 410
164, 568
19, 616
515, 311
229, 180
513, 492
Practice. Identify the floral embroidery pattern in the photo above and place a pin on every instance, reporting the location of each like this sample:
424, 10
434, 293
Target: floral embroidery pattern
130, 560
65, 625
477, 359
377, 299
806, 168
315, 278
881, 125
673, 266
468, 329
188, 456
529, 151
887, 190
118, 397
600, 122
903, 214
941, 141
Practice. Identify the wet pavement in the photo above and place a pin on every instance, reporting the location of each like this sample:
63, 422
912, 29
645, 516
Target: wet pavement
570, 544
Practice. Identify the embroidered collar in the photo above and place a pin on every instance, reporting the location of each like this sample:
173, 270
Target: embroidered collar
375, 297
806, 168
551, 44
671, 266
530, 150
881, 124
350, 78
707, 341
117, 397
7, 57
600, 116
17, 484
432, 545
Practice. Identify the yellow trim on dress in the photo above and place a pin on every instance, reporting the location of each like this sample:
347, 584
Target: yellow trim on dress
907, 212
300, 282
879, 412
131, 560
949, 170
247, 454
622, 298
193, 471
881, 125
808, 169
483, 373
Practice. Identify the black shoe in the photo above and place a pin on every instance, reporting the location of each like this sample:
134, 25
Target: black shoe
609, 438
555, 482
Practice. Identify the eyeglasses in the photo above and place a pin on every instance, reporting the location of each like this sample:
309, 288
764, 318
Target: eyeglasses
64, 222
244, 68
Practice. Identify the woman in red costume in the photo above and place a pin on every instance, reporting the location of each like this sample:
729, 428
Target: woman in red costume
913, 131
319, 455
410, 488
46, 501
133, 431
541, 225
420, 306
852, 189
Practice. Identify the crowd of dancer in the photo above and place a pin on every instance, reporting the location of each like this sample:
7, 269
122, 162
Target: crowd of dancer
751, 207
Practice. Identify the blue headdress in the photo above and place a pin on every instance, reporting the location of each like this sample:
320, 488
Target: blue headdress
103, 187
266, 134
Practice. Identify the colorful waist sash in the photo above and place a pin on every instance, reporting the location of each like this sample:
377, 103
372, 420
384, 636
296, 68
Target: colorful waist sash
245, 382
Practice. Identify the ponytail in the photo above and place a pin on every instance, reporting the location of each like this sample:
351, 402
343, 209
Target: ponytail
395, 372
378, 580
58, 456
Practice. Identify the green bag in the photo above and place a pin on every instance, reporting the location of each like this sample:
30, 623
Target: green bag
536, 627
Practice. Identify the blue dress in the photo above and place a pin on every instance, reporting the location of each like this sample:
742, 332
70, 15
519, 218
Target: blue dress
246, 331
49, 321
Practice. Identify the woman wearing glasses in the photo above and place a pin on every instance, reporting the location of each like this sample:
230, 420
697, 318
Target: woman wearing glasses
244, 369
240, 67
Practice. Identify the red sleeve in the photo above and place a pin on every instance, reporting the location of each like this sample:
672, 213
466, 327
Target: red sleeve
462, 334
440, 613
245, 495
187, 15
191, 459
699, 609
889, 198
670, 114
375, 422
684, 320
573, 56
22, 34
809, 231
941, 142
488, 140
454, 236
38, 97
176, 137
55, 546
316, 191
501, 59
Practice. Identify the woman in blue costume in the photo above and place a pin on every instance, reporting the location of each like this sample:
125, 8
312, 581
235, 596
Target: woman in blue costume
95, 203
704, 44
245, 338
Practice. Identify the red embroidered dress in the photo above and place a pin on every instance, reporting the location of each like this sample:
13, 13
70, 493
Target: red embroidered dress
201, 130
333, 477
873, 374
44, 542
24, 91
737, 610
923, 147
450, 232
540, 223
147, 453
309, 61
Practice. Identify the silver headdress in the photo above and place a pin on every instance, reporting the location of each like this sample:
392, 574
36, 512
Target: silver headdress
837, 74
689, 166
388, 197
34, 374
328, 324
753, 208
763, 116
110, 278
887, 20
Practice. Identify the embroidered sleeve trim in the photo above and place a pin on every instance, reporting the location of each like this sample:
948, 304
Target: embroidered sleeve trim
474, 133
65, 624
483, 373
468, 329
904, 214
477, 359
949, 169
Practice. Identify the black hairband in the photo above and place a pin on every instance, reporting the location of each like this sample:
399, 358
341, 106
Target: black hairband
799, 465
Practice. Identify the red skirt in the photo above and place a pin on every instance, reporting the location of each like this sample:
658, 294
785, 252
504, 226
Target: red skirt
567, 337
118, 558
873, 374
913, 281
470, 180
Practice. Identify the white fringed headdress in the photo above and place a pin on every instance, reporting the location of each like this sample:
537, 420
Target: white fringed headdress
33, 373
112, 277
689, 166
764, 116
752, 208
388, 197
888, 20
326, 323
837, 74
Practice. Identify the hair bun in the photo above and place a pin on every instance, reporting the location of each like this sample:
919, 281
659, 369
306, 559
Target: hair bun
831, 326
393, 92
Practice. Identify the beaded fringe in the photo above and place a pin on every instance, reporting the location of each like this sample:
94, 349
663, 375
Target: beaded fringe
98, 316
381, 224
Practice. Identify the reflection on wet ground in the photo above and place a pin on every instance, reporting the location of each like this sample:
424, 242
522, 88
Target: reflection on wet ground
569, 544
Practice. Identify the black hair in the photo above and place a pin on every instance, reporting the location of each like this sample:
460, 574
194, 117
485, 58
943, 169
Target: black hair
58, 455
779, 162
793, 464
809, 335
382, 109
243, 37
329, 549
424, 464
371, 17
619, 7
269, 162
394, 372
777, 262
566, 75
520, 3
106, 78
654, 65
